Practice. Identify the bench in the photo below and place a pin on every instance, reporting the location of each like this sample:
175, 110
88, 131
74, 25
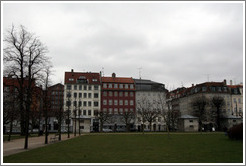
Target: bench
54, 138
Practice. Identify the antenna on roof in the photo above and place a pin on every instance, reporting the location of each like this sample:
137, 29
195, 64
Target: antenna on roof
207, 77
103, 71
140, 68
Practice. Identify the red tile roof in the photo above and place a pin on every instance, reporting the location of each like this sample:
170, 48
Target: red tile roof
125, 80
235, 86
88, 75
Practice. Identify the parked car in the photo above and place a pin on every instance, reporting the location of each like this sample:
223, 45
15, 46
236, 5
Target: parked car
107, 130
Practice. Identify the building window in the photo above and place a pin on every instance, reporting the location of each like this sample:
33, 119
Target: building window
80, 103
131, 94
115, 102
131, 86
95, 103
116, 111
126, 94
104, 85
94, 80
80, 87
110, 110
115, 93
121, 86
80, 95
115, 85
126, 109
68, 87
85, 87
71, 79
110, 102
84, 103
81, 127
104, 102
89, 87
121, 102
68, 94
126, 86
85, 95
225, 89
121, 110
126, 102
95, 87
84, 112
104, 93
75, 95
234, 100
68, 103
89, 112
89, 95
131, 102
191, 126
75, 103
120, 94
75, 87
89, 103
109, 85
191, 121
95, 95
219, 89
239, 100
110, 93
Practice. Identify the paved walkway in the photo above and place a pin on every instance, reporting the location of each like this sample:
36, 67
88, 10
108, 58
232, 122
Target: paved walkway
17, 145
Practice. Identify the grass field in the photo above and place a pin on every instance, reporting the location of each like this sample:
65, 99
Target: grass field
137, 148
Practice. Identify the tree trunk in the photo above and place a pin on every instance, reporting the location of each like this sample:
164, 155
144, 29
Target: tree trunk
46, 128
11, 128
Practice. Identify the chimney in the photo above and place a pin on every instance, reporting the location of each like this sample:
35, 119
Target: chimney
224, 81
72, 70
192, 85
113, 75
230, 82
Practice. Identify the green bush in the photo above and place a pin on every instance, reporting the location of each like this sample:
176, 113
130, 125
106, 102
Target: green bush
236, 132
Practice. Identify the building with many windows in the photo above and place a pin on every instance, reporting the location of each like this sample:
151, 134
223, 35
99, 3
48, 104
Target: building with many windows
117, 97
81, 99
182, 100
148, 91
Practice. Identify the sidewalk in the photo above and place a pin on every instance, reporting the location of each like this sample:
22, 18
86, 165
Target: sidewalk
17, 145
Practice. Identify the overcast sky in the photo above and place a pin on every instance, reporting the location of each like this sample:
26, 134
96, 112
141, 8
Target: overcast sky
174, 43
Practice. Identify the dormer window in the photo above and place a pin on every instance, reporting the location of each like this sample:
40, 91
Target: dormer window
71, 79
94, 80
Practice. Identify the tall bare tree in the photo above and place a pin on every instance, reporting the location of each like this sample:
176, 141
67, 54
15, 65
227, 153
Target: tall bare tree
147, 111
199, 110
10, 108
103, 116
218, 102
46, 101
24, 58
127, 117
68, 112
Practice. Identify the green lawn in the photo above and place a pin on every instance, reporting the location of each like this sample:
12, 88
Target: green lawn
137, 148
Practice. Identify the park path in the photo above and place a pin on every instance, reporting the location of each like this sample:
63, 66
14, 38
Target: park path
17, 145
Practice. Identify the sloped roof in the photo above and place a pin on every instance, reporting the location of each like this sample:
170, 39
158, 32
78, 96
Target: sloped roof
88, 75
127, 80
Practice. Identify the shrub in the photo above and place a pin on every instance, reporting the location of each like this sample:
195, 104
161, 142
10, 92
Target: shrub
236, 132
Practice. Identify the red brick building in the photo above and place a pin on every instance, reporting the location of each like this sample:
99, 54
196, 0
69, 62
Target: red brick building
118, 94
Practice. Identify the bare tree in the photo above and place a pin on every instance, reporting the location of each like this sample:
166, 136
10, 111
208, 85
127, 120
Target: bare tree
60, 116
24, 58
147, 111
68, 112
103, 116
46, 101
10, 110
218, 102
199, 110
127, 117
